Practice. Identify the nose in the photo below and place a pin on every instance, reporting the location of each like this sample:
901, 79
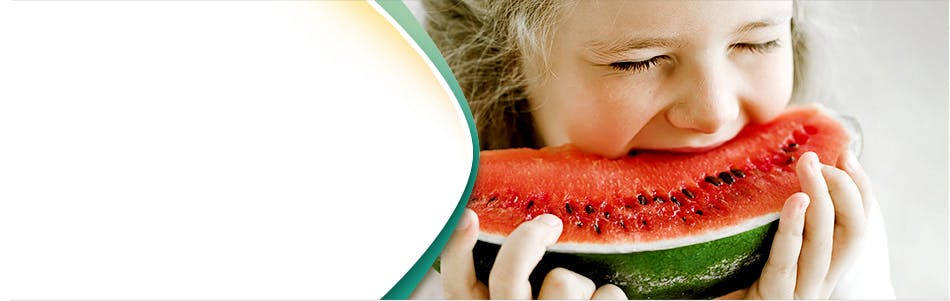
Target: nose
707, 100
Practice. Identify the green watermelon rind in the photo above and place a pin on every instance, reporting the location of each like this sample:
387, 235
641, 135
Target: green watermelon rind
699, 271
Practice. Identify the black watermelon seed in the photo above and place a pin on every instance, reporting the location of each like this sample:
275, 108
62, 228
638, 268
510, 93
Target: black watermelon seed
644, 222
530, 204
675, 201
659, 199
596, 228
642, 199
589, 209
492, 199
713, 180
791, 147
580, 224
688, 193
683, 218
569, 209
622, 225
789, 160
727, 177
700, 212
737, 173
606, 215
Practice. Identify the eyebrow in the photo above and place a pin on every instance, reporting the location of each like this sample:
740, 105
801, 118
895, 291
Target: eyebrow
622, 45
758, 24
626, 44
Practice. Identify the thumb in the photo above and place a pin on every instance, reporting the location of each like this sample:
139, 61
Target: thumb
457, 266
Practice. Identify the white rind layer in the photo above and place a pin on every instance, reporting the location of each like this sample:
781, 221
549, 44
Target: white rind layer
601, 248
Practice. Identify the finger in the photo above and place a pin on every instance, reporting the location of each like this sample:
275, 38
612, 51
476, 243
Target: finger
849, 209
781, 270
457, 266
609, 292
849, 212
818, 232
849, 163
563, 284
850, 222
519, 254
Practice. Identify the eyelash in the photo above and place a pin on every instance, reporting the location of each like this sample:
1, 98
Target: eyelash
758, 48
638, 66
646, 65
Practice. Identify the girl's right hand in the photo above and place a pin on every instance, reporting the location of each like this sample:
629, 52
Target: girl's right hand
518, 256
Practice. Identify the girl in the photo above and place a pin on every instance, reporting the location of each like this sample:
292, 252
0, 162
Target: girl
615, 76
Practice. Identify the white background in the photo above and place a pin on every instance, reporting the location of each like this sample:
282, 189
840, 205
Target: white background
218, 149
891, 72
893, 78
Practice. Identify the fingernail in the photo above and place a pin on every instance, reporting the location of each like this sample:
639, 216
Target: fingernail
796, 205
549, 220
802, 206
464, 222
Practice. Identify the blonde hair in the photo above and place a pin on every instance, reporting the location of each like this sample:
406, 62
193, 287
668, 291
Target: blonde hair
487, 44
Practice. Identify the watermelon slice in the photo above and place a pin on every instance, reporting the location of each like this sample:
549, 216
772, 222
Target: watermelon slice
658, 225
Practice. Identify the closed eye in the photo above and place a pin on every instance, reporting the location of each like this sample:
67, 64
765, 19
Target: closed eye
757, 48
639, 66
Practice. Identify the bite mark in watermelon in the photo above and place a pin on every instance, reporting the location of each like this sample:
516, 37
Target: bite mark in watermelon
659, 225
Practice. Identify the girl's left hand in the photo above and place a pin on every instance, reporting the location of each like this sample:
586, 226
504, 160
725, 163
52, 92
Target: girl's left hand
813, 247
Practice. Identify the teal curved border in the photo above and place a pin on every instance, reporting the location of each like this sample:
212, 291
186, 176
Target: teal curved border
399, 12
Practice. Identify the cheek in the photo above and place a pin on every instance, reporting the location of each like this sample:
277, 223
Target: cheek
606, 115
771, 81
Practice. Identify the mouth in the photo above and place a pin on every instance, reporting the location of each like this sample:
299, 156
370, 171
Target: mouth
674, 140
690, 149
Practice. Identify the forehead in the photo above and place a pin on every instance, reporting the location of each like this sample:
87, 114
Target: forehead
591, 22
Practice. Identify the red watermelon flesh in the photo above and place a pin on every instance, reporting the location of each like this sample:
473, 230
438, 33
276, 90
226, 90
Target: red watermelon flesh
653, 200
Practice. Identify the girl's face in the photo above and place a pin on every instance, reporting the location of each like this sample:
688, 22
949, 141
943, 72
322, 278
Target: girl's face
665, 75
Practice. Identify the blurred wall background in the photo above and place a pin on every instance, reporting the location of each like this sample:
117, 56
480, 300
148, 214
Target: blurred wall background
893, 76
891, 70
